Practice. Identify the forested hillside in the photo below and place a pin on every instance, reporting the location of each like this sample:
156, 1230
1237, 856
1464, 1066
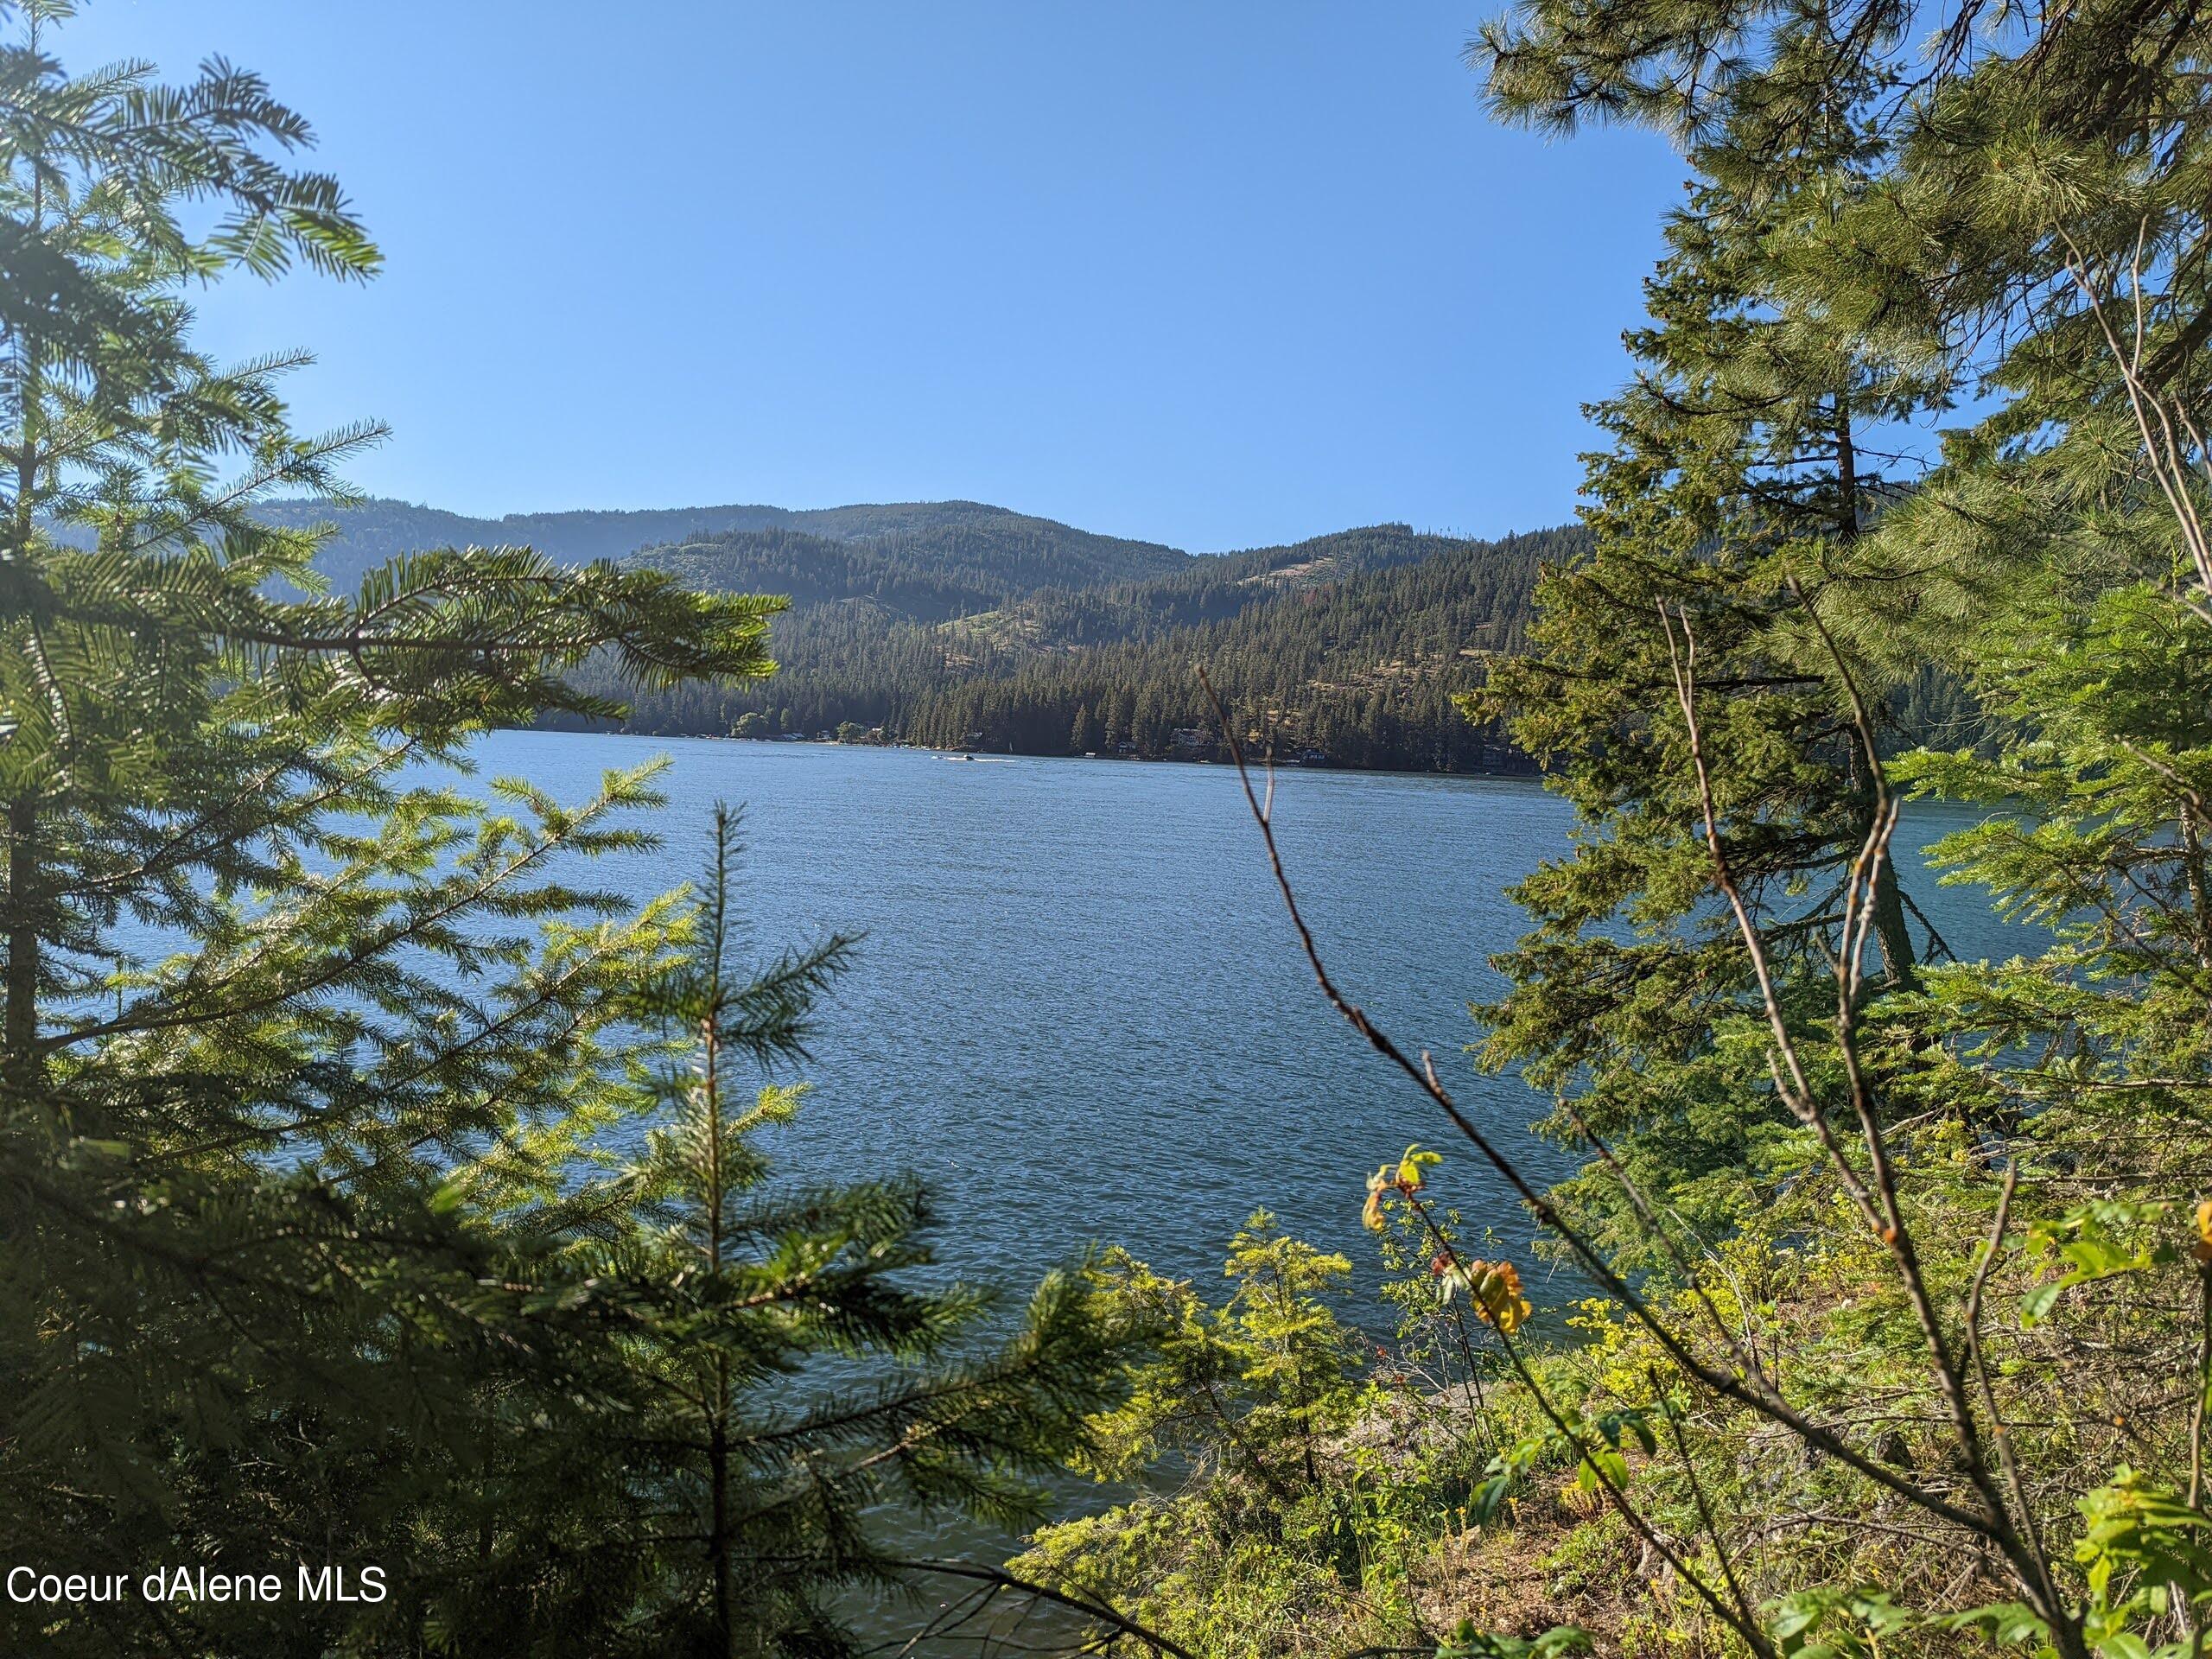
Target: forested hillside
1350, 646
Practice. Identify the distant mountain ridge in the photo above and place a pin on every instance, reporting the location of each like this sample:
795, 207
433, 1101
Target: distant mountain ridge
985, 537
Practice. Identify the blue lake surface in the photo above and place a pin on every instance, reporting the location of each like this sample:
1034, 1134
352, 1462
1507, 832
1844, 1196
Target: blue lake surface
1079, 1013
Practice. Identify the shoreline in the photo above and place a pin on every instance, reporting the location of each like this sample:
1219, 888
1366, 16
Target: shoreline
1530, 774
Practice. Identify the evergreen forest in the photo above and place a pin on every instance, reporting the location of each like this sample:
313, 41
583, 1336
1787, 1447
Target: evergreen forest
1351, 648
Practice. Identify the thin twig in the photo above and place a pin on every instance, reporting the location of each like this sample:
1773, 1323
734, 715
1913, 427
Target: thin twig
1080, 1601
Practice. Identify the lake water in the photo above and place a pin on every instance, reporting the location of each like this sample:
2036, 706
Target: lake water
1079, 1013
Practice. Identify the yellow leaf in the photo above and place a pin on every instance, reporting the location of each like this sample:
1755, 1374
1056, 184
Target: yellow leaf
1496, 1287
1371, 1217
1414, 1161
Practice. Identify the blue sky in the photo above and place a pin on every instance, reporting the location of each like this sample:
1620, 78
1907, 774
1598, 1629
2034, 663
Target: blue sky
1216, 275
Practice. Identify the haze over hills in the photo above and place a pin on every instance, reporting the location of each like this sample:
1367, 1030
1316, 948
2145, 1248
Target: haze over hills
959, 624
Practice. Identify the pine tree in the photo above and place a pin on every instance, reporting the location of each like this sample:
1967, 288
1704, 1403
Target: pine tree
265, 986
1727, 517
779, 1367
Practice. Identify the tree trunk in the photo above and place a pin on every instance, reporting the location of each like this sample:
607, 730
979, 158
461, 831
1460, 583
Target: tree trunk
1889, 930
